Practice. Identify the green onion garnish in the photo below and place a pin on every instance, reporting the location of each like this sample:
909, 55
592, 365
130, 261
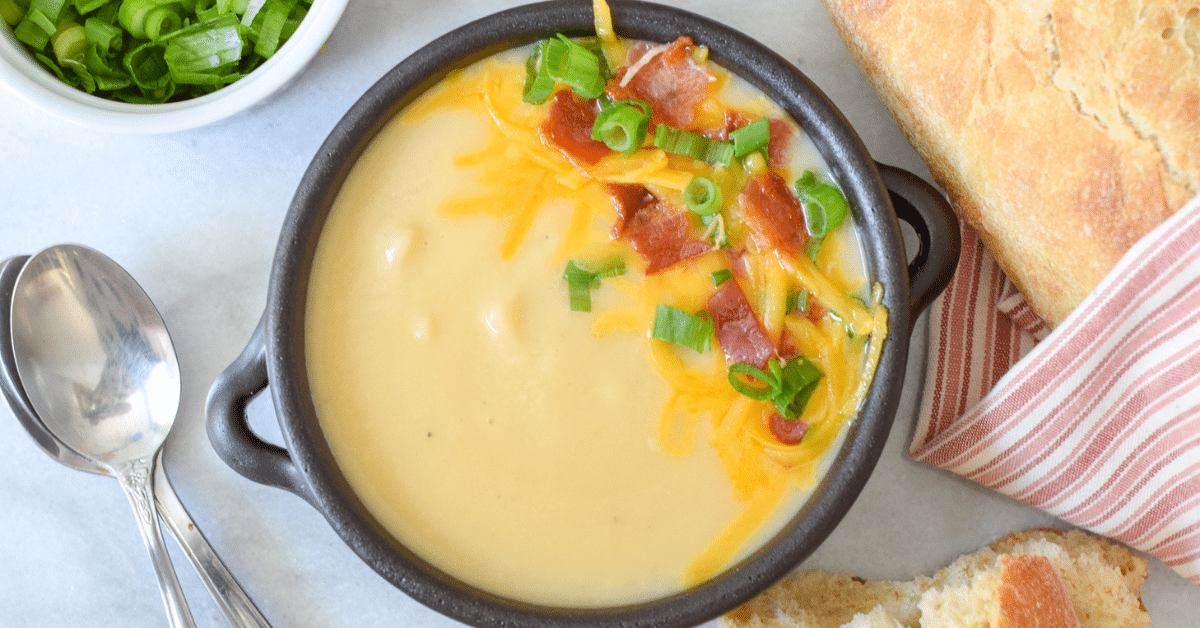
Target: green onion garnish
622, 125
538, 82
824, 205
721, 276
788, 387
694, 145
797, 384
702, 196
689, 330
751, 137
770, 379
797, 301
562, 60
579, 68
581, 281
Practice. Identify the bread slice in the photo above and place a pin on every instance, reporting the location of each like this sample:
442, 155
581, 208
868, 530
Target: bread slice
1031, 579
1061, 130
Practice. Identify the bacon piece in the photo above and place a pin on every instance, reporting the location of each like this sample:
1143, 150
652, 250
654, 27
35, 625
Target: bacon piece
569, 128
662, 233
737, 261
670, 81
787, 431
630, 197
779, 144
773, 214
738, 331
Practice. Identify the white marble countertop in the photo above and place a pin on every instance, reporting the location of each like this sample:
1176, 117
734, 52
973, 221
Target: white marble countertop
195, 217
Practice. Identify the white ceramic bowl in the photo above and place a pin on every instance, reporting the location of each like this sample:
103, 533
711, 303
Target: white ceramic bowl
24, 77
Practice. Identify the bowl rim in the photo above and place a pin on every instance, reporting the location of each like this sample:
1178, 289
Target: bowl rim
850, 163
26, 79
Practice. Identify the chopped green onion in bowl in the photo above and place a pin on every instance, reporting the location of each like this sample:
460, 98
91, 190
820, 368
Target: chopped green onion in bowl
152, 51
199, 94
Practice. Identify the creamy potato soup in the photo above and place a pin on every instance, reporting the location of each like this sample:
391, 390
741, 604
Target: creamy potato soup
554, 366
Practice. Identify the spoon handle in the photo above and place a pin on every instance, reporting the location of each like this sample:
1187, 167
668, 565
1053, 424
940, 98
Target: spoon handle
239, 609
135, 478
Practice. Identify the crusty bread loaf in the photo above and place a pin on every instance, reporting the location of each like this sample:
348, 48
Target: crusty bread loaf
1034, 578
1061, 130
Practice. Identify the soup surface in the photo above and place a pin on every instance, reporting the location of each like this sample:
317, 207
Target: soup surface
546, 452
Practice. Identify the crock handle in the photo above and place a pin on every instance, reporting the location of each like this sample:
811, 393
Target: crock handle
928, 212
229, 426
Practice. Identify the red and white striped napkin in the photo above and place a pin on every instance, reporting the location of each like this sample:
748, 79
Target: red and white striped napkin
1096, 422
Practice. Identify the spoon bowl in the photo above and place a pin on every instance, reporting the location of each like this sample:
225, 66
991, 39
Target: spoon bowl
100, 373
94, 355
239, 609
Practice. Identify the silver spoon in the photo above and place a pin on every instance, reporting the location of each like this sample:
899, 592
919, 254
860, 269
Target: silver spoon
233, 601
99, 369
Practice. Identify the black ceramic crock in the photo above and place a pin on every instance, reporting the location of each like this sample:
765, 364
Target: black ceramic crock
275, 356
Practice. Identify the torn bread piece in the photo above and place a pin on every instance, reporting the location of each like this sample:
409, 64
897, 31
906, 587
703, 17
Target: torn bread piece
1031, 579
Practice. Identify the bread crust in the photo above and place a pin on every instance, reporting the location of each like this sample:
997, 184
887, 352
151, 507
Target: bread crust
1061, 130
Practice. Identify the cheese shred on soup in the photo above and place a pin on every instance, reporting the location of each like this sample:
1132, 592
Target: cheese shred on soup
545, 374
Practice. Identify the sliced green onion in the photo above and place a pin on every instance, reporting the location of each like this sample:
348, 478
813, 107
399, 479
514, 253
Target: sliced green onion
34, 30
162, 21
206, 10
11, 12
141, 51
579, 287
751, 137
83, 7
102, 35
796, 385
538, 82
622, 125
715, 229
107, 77
69, 43
52, 9
824, 205
579, 68
770, 380
597, 49
133, 14
274, 15
721, 276
674, 325
788, 388
797, 301
702, 196
694, 145
148, 68
206, 54
581, 281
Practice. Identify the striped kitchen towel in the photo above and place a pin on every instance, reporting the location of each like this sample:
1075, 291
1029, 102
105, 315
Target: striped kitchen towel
1096, 422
